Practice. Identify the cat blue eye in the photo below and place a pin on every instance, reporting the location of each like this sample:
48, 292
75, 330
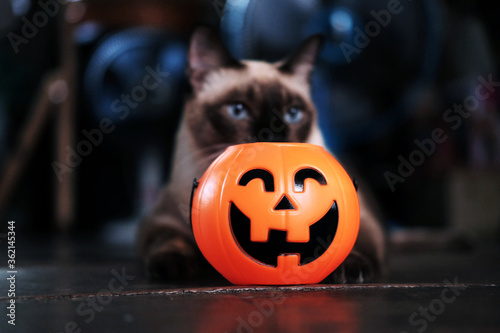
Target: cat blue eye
293, 115
237, 111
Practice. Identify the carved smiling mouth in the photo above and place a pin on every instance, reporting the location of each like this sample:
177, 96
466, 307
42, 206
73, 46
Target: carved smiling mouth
321, 236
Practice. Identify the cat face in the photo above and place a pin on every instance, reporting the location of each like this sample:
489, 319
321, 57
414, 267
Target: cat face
245, 101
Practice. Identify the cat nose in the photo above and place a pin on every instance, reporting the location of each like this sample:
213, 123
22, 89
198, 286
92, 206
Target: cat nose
271, 128
270, 136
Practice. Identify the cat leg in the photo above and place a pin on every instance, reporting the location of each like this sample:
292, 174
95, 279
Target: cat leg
365, 262
167, 248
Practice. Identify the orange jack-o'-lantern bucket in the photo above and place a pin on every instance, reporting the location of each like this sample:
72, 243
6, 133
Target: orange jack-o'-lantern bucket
275, 213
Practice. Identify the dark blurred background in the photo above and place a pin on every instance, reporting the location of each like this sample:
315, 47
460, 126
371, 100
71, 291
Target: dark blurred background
391, 72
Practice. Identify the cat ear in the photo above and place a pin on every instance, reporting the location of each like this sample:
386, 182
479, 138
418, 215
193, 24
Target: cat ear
301, 63
207, 53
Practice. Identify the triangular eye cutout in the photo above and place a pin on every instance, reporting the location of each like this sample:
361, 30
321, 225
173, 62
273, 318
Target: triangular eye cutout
284, 204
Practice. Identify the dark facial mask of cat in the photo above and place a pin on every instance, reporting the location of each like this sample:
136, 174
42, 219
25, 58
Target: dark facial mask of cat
245, 101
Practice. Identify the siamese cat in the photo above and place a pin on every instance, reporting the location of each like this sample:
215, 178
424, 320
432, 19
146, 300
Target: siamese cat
236, 102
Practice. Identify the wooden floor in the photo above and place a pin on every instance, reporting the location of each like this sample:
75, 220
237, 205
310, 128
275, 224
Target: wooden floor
82, 285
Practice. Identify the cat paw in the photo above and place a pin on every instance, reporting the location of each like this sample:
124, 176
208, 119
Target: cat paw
174, 259
356, 268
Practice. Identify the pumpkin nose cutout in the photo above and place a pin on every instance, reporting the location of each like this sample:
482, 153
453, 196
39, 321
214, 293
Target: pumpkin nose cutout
284, 204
